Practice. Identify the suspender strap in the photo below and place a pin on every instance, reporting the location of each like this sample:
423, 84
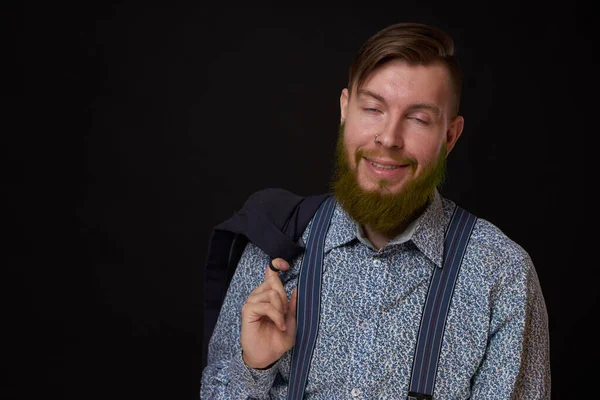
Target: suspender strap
433, 320
437, 304
309, 300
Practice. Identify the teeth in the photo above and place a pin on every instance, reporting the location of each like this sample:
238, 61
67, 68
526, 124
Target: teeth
384, 166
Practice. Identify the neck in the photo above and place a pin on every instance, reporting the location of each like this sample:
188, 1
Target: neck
380, 239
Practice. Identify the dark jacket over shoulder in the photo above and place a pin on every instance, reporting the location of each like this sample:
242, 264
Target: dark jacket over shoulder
273, 219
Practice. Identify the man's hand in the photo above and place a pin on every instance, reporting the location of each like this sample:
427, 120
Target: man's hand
268, 320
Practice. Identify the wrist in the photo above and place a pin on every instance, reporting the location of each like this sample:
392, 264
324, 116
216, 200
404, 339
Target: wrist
255, 365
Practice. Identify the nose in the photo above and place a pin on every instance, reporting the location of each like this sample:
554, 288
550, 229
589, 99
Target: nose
392, 135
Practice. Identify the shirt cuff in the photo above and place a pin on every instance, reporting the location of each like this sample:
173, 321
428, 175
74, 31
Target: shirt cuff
256, 382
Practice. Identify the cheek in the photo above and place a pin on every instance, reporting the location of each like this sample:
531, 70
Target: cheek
358, 128
350, 152
358, 138
354, 147
427, 154
355, 139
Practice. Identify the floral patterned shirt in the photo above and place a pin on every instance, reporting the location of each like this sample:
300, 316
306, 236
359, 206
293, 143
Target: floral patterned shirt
495, 343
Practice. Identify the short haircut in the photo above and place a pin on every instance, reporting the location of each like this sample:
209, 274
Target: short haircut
418, 44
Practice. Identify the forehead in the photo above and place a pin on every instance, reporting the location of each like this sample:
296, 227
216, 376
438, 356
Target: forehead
399, 82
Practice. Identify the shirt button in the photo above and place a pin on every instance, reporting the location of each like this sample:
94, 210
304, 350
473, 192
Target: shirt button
355, 392
376, 262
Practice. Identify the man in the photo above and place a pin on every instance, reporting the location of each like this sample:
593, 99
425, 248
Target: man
399, 121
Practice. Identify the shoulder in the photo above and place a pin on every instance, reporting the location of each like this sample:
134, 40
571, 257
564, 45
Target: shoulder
285, 209
491, 248
261, 210
272, 204
270, 197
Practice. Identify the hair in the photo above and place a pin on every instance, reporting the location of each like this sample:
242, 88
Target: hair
416, 43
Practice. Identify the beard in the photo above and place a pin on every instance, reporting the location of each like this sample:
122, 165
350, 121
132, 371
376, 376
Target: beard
380, 209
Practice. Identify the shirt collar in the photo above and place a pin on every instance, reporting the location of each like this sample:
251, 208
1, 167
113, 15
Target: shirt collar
429, 232
344, 229
426, 232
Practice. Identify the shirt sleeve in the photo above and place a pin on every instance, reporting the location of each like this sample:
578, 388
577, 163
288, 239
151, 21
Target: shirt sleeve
226, 376
517, 360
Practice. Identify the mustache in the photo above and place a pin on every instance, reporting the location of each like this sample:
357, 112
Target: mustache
360, 153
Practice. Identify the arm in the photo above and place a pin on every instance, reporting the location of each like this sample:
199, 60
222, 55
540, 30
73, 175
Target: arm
517, 360
227, 376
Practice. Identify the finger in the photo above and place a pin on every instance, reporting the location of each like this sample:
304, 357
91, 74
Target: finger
273, 276
268, 296
272, 284
265, 285
293, 302
253, 312
275, 266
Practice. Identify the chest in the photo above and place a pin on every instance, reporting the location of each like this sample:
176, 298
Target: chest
371, 307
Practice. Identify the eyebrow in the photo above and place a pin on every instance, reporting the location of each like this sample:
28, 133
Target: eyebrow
432, 107
376, 96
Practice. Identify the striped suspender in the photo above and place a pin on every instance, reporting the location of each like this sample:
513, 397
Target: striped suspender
309, 300
433, 321
434, 314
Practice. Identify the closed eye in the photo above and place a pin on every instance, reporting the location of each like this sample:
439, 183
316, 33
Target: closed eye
420, 121
373, 110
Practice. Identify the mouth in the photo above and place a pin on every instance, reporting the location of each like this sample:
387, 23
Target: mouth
383, 165
386, 164
387, 169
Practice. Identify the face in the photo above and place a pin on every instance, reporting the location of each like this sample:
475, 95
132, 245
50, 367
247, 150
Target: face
408, 107
383, 185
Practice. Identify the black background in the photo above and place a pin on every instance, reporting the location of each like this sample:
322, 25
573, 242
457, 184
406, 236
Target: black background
144, 126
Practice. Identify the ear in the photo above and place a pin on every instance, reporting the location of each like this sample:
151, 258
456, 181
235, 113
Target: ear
343, 105
454, 131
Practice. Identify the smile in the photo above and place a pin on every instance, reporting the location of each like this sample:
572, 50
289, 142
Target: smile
383, 166
384, 169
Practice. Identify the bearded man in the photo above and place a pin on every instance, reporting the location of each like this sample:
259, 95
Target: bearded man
381, 251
